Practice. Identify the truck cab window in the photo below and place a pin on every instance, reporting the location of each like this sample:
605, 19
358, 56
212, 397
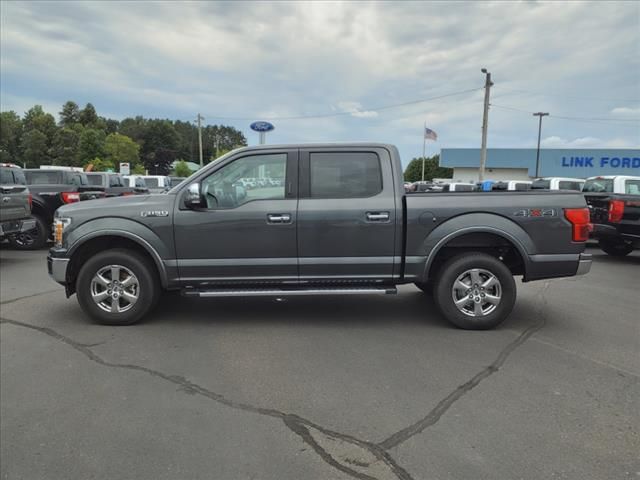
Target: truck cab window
345, 175
255, 177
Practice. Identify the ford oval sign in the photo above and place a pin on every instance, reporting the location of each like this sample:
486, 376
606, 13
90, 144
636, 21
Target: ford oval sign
261, 126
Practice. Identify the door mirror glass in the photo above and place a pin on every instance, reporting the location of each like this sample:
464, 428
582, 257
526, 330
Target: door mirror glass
193, 198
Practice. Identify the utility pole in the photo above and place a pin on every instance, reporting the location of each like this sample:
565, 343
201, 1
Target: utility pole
540, 115
485, 120
199, 119
424, 147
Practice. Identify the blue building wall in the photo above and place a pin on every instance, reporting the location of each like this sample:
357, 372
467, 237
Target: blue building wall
577, 162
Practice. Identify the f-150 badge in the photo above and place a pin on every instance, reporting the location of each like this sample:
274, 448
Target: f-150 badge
155, 213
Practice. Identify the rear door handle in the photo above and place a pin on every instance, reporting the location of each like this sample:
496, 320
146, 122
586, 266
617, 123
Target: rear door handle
378, 216
279, 218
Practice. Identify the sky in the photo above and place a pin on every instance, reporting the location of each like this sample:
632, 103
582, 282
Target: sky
335, 65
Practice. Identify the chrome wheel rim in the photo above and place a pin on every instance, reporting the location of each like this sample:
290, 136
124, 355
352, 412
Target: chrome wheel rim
115, 289
476, 292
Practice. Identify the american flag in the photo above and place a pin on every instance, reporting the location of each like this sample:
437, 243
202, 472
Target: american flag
430, 134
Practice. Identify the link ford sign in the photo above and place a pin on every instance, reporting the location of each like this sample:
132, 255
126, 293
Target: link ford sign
613, 162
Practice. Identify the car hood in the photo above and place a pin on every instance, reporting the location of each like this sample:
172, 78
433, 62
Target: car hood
131, 206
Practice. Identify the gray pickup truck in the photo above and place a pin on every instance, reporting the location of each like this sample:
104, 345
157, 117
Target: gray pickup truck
15, 202
333, 219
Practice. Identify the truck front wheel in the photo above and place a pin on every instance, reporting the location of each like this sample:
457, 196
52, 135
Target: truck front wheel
475, 291
615, 248
117, 287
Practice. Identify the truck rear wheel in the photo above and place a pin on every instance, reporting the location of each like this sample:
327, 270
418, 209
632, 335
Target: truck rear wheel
33, 239
475, 291
615, 248
117, 287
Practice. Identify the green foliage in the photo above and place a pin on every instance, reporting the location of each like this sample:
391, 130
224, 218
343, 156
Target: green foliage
121, 149
432, 169
90, 145
100, 165
10, 134
182, 169
138, 170
82, 135
34, 148
70, 114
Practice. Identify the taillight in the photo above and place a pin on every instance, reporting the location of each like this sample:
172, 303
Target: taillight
126, 194
579, 219
616, 210
30, 200
70, 197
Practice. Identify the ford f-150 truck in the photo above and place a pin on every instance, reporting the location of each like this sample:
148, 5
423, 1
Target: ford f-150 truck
339, 223
15, 202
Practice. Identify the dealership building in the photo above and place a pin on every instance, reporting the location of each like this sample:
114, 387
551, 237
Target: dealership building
520, 163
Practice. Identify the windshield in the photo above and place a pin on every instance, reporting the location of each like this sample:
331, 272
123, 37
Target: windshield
598, 185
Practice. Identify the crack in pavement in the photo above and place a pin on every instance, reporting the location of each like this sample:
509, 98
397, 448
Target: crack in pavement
441, 408
358, 458
12, 300
349, 460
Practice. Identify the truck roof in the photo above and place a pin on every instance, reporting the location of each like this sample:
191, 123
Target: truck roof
611, 177
318, 145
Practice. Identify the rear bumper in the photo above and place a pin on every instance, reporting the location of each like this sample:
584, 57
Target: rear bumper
555, 266
19, 226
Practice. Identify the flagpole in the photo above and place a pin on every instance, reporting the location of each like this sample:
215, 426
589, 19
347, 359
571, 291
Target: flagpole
424, 146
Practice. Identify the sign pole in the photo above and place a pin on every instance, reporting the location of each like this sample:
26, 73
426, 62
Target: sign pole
424, 147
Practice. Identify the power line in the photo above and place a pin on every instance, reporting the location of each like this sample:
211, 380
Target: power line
361, 110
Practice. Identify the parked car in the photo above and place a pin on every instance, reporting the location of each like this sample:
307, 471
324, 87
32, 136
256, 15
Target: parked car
137, 182
558, 183
511, 185
113, 183
51, 188
173, 181
15, 202
157, 183
459, 187
614, 203
341, 224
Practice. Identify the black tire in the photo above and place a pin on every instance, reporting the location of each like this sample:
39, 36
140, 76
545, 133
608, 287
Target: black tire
33, 239
615, 248
148, 289
426, 287
478, 262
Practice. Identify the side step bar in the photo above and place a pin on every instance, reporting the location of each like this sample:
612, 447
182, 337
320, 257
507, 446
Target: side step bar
285, 292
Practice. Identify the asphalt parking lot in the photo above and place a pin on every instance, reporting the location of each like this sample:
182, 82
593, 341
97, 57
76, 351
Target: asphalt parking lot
322, 388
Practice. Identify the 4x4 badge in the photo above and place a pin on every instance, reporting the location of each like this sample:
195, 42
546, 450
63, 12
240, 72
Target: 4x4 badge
535, 212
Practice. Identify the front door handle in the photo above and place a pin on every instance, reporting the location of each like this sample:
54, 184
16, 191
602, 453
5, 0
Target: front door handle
378, 216
279, 218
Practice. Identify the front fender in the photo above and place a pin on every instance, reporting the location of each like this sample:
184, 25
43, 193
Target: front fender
475, 223
120, 227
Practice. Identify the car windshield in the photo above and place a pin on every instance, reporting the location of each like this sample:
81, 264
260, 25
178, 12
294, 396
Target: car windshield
598, 185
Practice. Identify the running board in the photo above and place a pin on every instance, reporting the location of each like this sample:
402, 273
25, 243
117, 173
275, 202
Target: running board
287, 292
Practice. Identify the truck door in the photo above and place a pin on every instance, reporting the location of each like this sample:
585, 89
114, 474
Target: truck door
346, 215
247, 232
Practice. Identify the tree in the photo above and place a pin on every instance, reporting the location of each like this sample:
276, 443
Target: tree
70, 114
65, 147
121, 149
432, 169
10, 134
138, 170
90, 145
100, 165
37, 119
34, 148
160, 145
88, 116
182, 169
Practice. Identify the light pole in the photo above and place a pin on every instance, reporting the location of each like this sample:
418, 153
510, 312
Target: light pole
485, 121
540, 115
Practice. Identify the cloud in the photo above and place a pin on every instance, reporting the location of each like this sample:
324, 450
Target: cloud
281, 59
587, 142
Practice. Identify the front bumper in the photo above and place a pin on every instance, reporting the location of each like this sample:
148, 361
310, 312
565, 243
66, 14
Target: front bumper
19, 226
57, 268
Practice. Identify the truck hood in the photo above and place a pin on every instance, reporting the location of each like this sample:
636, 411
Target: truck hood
131, 206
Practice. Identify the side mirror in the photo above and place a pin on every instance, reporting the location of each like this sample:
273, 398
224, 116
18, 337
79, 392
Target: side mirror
193, 198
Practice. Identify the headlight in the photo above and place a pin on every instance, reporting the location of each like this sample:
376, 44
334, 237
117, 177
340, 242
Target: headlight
59, 226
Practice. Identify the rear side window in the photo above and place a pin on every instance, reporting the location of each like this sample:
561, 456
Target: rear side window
114, 181
541, 184
151, 182
95, 179
565, 185
140, 182
43, 177
79, 179
345, 175
522, 186
632, 187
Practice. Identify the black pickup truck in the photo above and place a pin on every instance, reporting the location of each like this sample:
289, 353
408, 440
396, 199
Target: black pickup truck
616, 222
15, 202
338, 223
50, 189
